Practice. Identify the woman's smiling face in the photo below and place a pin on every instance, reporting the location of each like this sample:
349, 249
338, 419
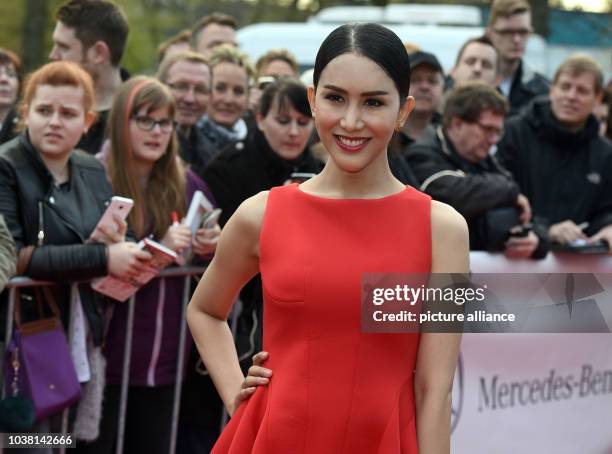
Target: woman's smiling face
356, 116
228, 98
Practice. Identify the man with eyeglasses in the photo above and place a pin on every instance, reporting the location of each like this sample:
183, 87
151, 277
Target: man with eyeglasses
509, 29
188, 77
560, 161
452, 164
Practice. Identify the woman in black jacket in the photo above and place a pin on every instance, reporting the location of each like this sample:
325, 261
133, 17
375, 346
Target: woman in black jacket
52, 197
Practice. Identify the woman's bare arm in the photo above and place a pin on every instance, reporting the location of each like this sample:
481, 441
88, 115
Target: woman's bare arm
438, 352
235, 262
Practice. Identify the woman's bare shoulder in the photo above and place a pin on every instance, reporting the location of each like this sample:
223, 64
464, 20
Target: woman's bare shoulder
444, 217
251, 212
449, 239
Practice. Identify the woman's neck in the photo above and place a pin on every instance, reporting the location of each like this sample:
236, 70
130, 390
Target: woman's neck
142, 171
58, 167
374, 181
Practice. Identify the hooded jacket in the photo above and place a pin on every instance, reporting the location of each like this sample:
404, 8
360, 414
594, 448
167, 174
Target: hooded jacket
526, 85
564, 174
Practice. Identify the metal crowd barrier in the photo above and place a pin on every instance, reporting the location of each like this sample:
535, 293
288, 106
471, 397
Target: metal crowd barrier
480, 262
187, 273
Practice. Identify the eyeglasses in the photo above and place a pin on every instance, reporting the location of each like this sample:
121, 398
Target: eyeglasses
510, 32
146, 123
182, 88
491, 130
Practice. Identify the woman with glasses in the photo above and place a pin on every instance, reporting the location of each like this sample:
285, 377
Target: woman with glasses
52, 197
143, 165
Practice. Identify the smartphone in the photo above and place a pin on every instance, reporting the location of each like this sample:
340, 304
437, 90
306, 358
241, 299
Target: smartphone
118, 207
521, 231
211, 218
581, 246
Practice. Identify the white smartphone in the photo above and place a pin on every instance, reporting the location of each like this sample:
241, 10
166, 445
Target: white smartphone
211, 218
118, 206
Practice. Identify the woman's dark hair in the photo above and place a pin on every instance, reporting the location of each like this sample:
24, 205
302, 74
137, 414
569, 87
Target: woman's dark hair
285, 89
373, 41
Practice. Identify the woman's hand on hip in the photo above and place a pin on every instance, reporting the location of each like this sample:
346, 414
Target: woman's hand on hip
257, 376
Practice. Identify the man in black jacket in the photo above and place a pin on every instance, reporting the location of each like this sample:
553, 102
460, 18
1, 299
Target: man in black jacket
509, 29
558, 158
453, 165
93, 34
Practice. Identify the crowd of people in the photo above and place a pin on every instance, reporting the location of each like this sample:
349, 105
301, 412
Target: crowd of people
526, 161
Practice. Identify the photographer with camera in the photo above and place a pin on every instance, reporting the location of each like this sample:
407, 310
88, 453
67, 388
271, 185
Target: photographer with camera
453, 164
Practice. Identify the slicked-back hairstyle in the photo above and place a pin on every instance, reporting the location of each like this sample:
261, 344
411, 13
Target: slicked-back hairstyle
190, 56
213, 18
96, 20
8, 57
276, 55
470, 100
165, 189
58, 74
578, 64
226, 53
285, 90
184, 36
372, 41
481, 40
508, 8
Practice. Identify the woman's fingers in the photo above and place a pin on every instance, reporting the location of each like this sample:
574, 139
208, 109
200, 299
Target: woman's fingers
259, 358
252, 381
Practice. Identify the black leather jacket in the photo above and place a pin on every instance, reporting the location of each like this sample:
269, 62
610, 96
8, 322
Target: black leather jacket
37, 214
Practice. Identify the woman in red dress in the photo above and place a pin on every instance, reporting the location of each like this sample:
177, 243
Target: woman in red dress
336, 389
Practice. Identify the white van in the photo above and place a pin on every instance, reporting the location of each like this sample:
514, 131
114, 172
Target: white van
431, 33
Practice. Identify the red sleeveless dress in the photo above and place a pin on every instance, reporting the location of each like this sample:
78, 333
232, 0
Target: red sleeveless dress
334, 389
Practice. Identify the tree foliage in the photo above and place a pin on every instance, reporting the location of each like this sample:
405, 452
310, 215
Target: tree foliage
26, 25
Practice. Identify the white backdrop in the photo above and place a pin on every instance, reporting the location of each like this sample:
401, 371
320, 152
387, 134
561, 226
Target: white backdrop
534, 393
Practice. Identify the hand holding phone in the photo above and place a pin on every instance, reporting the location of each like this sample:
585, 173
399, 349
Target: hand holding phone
210, 218
111, 227
521, 231
205, 240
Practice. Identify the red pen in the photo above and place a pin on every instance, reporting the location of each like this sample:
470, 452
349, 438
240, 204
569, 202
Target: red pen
175, 219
